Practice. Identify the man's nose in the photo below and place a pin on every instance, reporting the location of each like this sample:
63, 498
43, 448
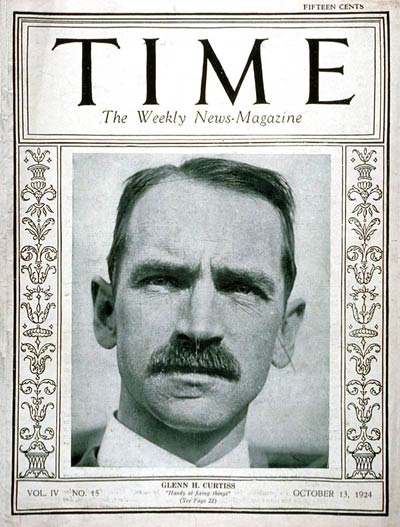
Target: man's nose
201, 318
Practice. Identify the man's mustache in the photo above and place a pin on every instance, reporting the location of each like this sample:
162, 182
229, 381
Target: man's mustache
189, 356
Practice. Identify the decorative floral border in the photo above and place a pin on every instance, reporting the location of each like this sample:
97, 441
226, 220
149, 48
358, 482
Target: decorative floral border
38, 261
363, 314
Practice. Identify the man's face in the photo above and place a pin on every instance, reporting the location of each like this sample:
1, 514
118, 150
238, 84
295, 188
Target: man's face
202, 265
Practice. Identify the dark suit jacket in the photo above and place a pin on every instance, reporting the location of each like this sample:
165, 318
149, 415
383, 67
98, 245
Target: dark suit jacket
257, 459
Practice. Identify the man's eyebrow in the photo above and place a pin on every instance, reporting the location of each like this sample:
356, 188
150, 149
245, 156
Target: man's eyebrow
154, 266
247, 276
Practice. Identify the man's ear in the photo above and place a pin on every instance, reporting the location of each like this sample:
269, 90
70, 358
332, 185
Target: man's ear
103, 313
284, 347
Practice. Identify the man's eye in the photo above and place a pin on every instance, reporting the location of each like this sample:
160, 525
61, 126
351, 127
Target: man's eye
161, 281
243, 289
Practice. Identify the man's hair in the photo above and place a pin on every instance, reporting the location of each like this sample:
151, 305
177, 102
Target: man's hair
233, 175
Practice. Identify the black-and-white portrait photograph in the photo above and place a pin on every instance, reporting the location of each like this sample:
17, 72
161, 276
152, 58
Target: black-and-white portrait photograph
200, 309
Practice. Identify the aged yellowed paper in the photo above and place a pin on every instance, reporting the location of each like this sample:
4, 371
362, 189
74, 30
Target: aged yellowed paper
200, 262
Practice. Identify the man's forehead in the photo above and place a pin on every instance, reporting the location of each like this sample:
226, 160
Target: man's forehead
185, 218
201, 203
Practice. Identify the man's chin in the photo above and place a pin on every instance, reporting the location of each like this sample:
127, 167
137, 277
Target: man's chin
189, 402
189, 421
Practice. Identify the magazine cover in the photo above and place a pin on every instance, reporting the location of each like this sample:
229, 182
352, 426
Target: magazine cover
199, 263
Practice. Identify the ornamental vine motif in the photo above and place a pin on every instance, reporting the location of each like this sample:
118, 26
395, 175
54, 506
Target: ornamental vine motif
364, 265
38, 261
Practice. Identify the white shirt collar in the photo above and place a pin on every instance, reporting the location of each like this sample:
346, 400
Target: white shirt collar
121, 447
